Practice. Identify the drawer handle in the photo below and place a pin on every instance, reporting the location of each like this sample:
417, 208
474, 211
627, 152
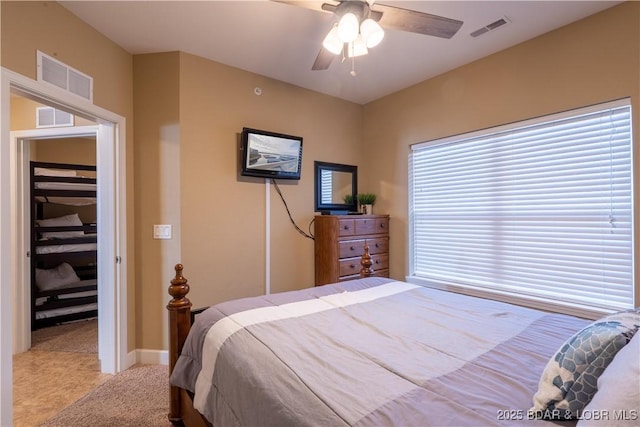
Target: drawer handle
351, 248
352, 266
346, 227
382, 225
377, 245
377, 262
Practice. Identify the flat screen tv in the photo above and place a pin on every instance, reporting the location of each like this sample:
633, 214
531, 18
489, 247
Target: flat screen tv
270, 155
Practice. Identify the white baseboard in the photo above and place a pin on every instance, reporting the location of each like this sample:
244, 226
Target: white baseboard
148, 357
131, 359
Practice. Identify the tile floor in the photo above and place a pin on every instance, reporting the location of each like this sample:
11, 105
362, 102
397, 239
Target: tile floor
45, 382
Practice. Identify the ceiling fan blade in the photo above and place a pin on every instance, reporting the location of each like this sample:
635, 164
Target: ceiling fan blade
396, 18
323, 60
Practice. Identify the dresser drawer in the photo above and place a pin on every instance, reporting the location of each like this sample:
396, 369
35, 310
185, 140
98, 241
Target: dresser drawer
346, 227
378, 246
352, 266
353, 248
382, 225
365, 226
380, 262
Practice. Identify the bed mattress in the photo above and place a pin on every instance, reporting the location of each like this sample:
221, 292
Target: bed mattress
368, 352
47, 314
70, 201
67, 186
53, 249
72, 186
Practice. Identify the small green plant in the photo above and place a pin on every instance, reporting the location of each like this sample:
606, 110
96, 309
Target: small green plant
348, 199
366, 198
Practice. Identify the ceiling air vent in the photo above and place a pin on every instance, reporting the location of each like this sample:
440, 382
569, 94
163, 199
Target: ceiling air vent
51, 117
52, 71
494, 25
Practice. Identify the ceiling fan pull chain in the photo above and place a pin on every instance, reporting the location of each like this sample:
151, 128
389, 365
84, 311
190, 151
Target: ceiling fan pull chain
353, 66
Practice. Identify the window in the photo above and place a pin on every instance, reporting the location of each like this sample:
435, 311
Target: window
538, 211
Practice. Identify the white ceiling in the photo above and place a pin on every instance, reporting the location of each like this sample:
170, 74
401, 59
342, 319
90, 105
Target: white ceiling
281, 41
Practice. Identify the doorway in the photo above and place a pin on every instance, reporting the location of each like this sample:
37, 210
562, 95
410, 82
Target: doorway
49, 145
111, 214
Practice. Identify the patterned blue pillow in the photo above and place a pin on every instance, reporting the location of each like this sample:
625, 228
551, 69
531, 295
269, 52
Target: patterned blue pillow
570, 379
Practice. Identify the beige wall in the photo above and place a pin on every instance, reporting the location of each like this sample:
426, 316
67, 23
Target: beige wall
76, 150
28, 26
223, 216
189, 113
591, 61
157, 176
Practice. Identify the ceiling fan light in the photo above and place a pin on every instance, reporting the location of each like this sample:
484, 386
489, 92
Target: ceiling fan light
332, 41
372, 32
348, 27
357, 48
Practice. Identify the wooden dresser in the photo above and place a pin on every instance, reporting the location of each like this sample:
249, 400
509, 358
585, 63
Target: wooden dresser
339, 245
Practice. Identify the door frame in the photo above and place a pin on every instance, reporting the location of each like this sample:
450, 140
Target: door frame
112, 249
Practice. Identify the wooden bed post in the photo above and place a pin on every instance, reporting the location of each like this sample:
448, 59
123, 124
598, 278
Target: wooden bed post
365, 261
179, 323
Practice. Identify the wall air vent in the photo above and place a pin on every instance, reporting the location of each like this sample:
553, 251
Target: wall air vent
47, 117
493, 26
52, 71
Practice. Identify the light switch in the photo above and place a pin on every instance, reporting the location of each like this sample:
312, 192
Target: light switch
162, 231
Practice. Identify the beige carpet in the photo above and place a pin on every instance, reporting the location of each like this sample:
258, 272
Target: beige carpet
77, 337
136, 397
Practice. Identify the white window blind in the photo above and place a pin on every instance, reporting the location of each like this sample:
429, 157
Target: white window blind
540, 209
326, 184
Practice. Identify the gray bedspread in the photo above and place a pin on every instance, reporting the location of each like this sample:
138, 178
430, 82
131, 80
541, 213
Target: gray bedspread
370, 352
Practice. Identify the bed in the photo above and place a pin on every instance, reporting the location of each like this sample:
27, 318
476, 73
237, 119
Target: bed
63, 247
369, 352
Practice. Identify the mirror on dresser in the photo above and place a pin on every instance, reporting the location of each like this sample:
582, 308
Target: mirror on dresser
334, 181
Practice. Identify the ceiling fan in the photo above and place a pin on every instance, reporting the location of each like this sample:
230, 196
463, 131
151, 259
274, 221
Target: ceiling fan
360, 26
